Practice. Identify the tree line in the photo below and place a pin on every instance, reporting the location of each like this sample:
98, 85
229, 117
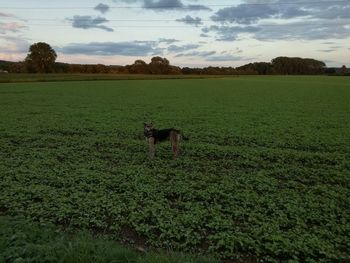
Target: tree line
42, 57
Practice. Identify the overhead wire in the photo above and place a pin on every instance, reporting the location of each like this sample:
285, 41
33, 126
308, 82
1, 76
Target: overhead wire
162, 20
185, 7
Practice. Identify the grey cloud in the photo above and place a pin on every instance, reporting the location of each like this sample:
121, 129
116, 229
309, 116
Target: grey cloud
253, 11
175, 48
161, 5
327, 50
196, 21
133, 48
224, 58
211, 56
227, 38
301, 30
244, 14
102, 8
292, 31
168, 40
197, 54
328, 43
236, 51
340, 11
87, 22
230, 33
197, 8
127, 1
292, 12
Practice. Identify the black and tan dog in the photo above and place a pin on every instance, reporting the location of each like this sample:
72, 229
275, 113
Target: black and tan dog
153, 136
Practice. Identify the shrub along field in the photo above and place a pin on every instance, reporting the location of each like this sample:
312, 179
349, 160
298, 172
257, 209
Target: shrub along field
265, 174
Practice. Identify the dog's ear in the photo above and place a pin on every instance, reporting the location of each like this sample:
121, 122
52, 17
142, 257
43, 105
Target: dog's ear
151, 124
144, 124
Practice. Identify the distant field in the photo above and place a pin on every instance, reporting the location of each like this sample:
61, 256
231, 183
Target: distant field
265, 175
13, 78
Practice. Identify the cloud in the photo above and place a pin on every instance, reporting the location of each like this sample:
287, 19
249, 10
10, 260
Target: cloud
244, 14
167, 40
162, 5
191, 20
318, 30
197, 8
87, 22
196, 54
10, 27
6, 15
102, 8
248, 13
212, 56
326, 50
131, 48
253, 11
224, 58
333, 12
175, 48
230, 33
127, 1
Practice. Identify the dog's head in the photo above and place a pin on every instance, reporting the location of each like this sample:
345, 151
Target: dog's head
148, 129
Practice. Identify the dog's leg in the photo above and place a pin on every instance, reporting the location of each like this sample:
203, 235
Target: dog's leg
175, 150
152, 147
173, 140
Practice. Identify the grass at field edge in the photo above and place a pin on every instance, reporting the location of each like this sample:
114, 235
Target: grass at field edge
24, 241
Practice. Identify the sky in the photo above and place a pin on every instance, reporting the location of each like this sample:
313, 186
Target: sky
193, 33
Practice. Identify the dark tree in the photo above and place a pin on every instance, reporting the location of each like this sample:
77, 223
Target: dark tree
140, 62
139, 67
261, 68
297, 66
159, 61
159, 65
343, 70
41, 58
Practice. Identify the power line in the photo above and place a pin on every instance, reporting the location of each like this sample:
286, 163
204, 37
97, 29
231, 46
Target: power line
117, 20
189, 7
157, 26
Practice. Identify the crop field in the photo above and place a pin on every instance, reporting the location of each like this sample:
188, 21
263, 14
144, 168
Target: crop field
264, 176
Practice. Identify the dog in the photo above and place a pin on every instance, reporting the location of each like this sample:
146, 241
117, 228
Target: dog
153, 136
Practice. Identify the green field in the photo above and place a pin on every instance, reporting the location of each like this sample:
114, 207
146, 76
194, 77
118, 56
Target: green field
265, 174
27, 77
